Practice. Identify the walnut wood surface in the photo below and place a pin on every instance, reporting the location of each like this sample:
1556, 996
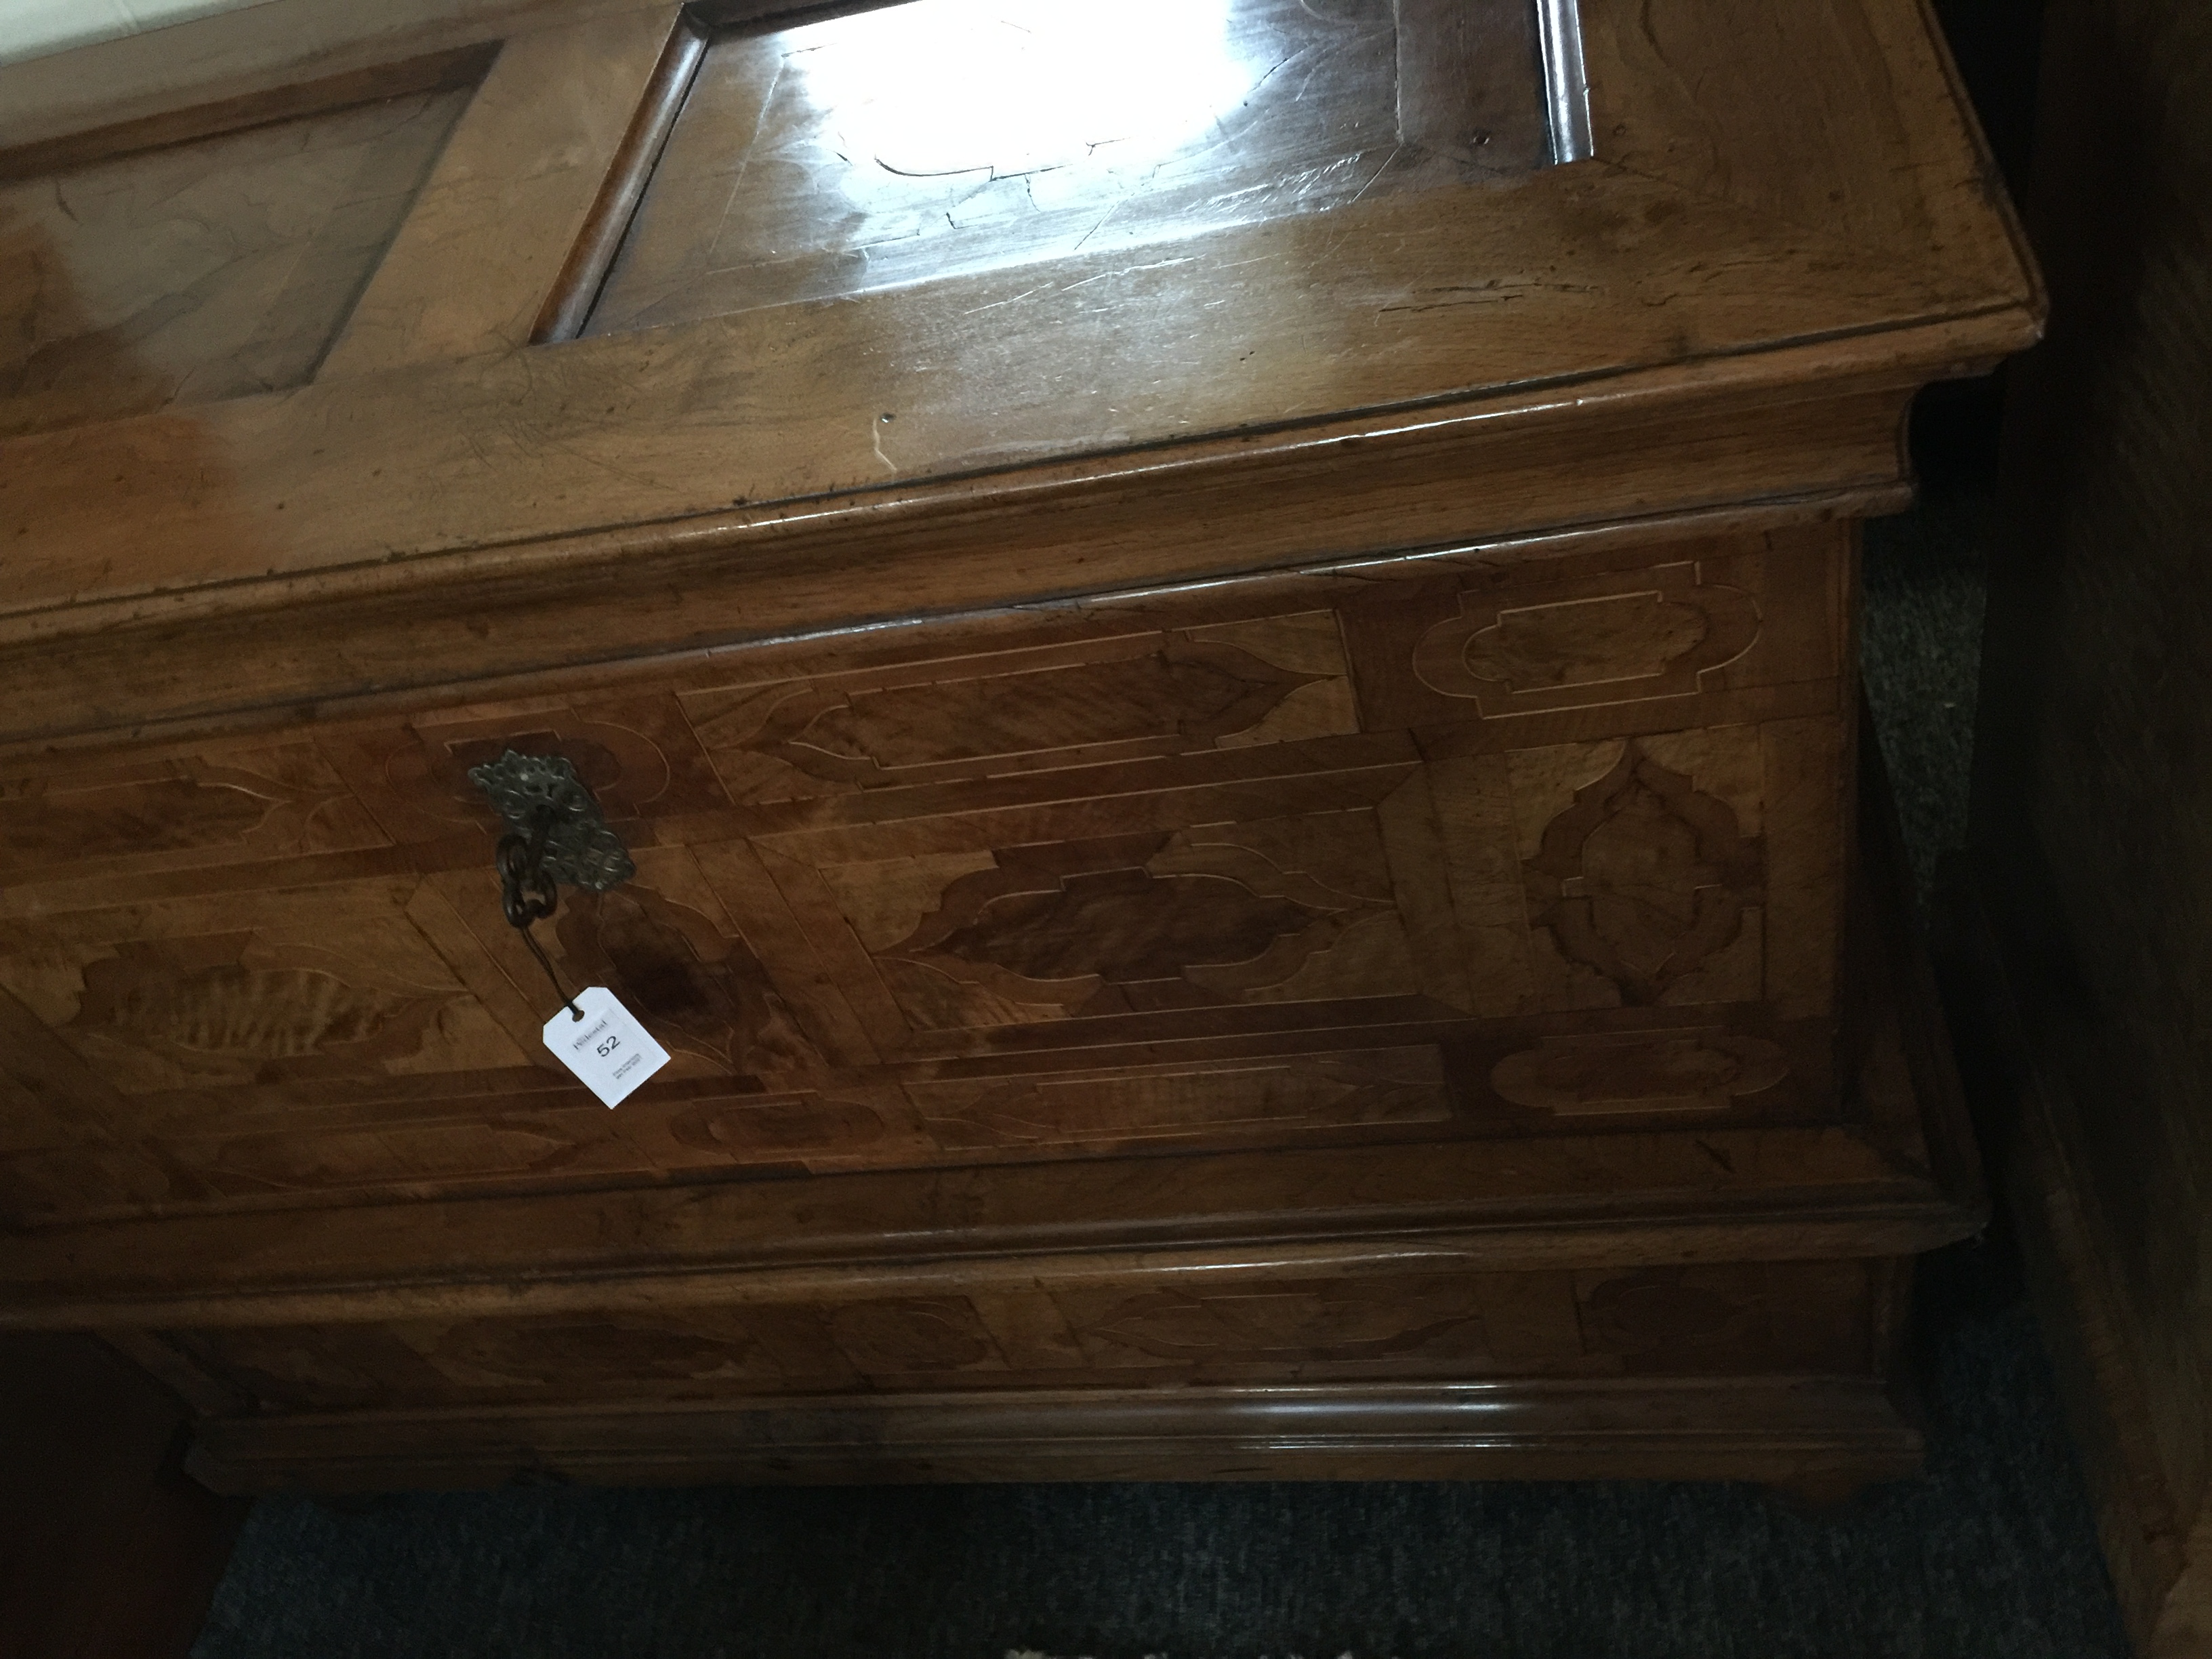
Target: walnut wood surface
456, 70
2091, 821
1899, 1182
1464, 854
214, 267
96, 671
1773, 1371
836, 158
1819, 1432
1153, 1330
513, 194
1272, 805
167, 73
1360, 362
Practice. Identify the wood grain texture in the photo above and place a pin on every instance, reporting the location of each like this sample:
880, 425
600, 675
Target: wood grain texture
1876, 150
160, 74
1265, 805
819, 161
508, 197
1163, 874
1643, 1371
1786, 1431
453, 70
684, 422
2091, 819
1631, 299
213, 268
759, 580
1229, 1329
1667, 1198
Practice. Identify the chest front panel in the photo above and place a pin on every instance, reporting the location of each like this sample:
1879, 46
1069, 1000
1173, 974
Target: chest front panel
1483, 852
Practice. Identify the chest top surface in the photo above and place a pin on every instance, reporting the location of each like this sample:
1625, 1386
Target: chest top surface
966, 305
949, 138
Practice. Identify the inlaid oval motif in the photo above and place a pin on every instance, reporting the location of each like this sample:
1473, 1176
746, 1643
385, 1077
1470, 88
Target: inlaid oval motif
1626, 636
1700, 1071
1203, 694
1125, 925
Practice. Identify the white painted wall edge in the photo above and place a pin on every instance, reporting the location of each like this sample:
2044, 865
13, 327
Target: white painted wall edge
38, 29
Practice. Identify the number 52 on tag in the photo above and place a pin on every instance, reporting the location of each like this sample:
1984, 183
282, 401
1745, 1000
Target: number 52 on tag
607, 1049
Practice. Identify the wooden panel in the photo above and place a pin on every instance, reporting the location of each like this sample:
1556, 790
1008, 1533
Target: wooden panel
1716, 101
1656, 1198
825, 160
1407, 1362
1269, 680
2091, 823
1820, 1436
1310, 841
1127, 878
212, 268
1195, 899
157, 73
1345, 321
698, 454
508, 197
1811, 1317
388, 649
242, 804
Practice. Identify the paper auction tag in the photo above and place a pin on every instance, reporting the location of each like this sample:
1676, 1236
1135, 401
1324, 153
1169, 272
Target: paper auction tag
607, 1047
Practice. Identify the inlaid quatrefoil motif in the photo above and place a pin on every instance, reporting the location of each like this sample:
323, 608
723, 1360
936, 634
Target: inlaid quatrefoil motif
1644, 877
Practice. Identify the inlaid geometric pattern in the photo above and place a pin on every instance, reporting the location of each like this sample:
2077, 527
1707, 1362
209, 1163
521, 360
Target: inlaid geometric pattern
1645, 879
1164, 875
1575, 643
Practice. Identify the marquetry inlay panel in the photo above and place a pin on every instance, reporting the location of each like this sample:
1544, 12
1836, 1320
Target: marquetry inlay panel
1122, 696
1165, 875
1222, 633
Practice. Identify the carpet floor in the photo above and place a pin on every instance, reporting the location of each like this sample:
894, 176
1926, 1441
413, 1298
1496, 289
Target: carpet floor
1991, 1552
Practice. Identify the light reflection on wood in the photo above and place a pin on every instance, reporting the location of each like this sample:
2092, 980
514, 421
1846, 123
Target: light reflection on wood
949, 136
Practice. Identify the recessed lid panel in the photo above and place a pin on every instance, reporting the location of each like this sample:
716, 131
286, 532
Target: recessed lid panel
942, 137
206, 269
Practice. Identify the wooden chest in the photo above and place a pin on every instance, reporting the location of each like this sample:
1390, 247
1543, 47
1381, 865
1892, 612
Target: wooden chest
1233, 693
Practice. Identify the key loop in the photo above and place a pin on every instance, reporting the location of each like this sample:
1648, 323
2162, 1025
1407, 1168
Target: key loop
528, 894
